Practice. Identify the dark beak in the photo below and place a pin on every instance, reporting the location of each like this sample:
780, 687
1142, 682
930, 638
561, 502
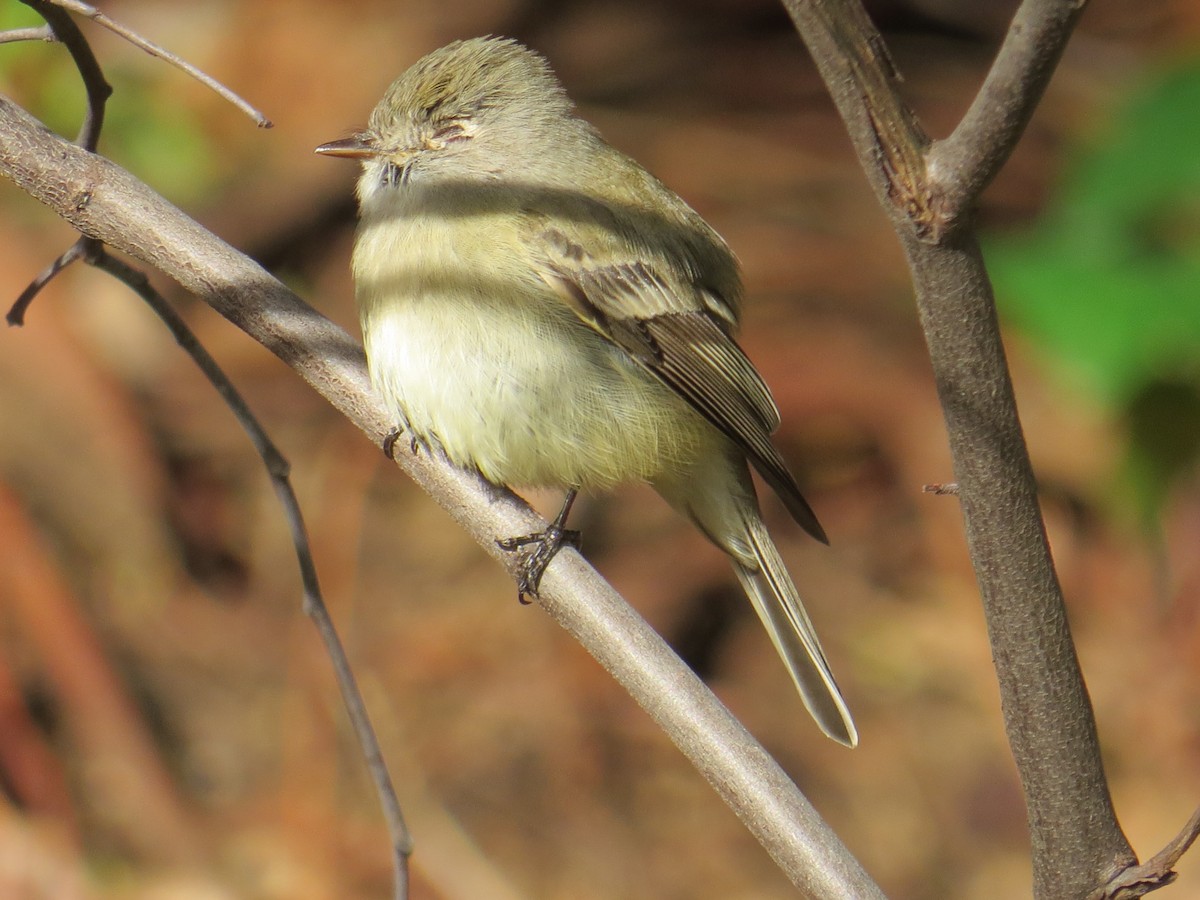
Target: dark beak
357, 147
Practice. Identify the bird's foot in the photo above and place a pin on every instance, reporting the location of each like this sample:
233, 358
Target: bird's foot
416, 443
546, 543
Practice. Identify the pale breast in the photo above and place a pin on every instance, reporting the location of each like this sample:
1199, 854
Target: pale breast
473, 351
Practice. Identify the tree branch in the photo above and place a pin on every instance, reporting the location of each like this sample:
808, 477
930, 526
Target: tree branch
279, 471
103, 201
1077, 843
962, 165
49, 8
97, 87
861, 78
1156, 872
36, 33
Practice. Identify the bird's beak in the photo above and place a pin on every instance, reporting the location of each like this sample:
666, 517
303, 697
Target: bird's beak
356, 147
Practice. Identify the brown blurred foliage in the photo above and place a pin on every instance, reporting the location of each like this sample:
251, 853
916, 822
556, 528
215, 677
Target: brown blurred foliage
169, 727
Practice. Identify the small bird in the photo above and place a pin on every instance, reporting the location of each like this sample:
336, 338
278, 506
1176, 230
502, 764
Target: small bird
544, 310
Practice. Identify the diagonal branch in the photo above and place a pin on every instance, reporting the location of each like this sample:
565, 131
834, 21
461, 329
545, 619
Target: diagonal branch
103, 201
78, 250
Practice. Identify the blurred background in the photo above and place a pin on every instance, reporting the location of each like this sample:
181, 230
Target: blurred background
169, 726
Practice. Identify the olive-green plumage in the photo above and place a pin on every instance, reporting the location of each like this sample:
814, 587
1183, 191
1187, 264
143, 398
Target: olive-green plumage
546, 311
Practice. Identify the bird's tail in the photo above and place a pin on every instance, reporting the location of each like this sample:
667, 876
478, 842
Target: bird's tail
778, 604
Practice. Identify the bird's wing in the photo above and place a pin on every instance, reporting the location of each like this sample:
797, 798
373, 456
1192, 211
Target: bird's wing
677, 330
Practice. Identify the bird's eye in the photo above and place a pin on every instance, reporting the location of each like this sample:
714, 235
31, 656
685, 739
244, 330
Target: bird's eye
452, 132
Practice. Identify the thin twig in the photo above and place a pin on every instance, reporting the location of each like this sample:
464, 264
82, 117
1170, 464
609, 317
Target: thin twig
162, 53
941, 489
1156, 872
98, 89
314, 605
63, 28
38, 33
16, 313
93, 251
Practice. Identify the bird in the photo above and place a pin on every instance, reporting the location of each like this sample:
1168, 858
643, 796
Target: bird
541, 309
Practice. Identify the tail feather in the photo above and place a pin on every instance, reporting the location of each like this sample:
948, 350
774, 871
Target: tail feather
778, 604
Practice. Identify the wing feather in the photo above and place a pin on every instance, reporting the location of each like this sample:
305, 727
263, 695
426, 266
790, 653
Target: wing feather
678, 331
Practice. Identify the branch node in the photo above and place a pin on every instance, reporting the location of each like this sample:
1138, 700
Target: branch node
1158, 871
941, 489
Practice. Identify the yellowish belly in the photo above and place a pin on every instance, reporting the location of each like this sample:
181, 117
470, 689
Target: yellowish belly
508, 380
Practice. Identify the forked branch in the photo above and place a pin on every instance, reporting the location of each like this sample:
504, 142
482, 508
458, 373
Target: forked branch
928, 189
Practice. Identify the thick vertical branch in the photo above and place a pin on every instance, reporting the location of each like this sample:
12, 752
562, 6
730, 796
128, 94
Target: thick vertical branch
1077, 843
1076, 840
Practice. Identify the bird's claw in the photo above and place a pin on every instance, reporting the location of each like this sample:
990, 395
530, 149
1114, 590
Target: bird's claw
415, 443
533, 566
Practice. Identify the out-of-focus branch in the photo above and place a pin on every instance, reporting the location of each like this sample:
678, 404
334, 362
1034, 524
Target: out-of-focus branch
97, 87
51, 9
37, 33
97, 708
103, 201
925, 188
279, 470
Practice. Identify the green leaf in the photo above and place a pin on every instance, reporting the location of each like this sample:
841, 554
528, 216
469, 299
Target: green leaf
1108, 281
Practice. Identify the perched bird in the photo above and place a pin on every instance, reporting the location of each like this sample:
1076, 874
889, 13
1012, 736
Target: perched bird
544, 310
